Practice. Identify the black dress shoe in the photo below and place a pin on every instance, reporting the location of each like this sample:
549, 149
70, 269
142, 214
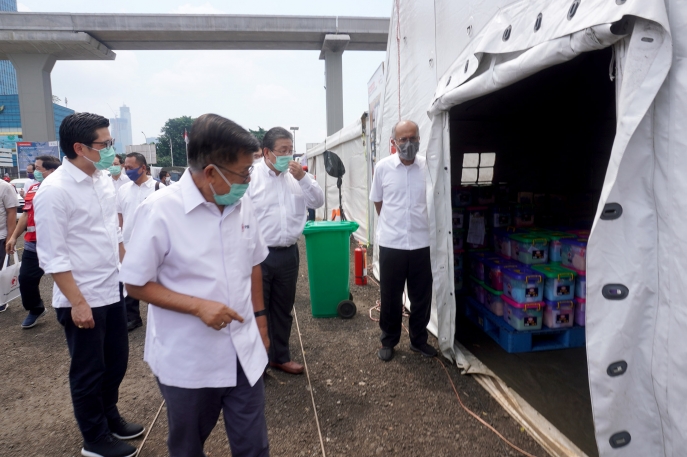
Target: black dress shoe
133, 325
108, 446
425, 349
385, 354
124, 430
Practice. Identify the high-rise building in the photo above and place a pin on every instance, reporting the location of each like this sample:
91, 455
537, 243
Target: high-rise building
120, 129
8, 77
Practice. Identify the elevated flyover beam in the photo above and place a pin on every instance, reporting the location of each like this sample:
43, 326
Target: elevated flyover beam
188, 32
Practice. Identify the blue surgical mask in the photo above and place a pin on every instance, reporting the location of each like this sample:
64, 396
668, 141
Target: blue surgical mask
282, 163
38, 176
107, 156
134, 174
236, 191
31, 175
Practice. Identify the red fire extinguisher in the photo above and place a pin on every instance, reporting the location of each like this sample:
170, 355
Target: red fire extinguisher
361, 266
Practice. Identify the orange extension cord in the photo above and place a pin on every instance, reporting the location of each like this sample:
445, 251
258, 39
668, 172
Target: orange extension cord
377, 308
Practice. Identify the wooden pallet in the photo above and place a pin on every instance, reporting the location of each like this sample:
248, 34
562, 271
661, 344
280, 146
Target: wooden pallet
513, 341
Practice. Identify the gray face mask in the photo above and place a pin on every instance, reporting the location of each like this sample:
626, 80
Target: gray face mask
408, 150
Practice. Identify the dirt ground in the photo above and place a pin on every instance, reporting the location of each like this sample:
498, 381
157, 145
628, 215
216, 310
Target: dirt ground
366, 407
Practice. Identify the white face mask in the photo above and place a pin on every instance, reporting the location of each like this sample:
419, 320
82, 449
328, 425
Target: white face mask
167, 180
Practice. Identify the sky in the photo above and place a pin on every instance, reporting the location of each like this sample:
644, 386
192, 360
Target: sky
253, 88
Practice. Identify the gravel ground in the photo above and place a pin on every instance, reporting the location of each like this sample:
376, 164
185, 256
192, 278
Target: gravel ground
365, 407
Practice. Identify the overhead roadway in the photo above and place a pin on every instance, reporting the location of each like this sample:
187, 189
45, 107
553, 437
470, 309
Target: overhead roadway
34, 41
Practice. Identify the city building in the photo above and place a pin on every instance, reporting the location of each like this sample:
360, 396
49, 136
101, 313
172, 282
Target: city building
120, 129
152, 139
8, 77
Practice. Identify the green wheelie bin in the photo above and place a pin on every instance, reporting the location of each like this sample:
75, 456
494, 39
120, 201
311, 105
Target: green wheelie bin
328, 248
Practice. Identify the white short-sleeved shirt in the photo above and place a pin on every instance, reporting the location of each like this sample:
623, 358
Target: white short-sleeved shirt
280, 203
120, 181
8, 200
184, 243
403, 222
77, 220
129, 197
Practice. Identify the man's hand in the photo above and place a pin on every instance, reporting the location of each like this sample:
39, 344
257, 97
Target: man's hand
296, 170
215, 314
262, 326
82, 316
10, 245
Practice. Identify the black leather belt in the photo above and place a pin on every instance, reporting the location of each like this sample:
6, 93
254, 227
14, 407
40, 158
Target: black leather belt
279, 248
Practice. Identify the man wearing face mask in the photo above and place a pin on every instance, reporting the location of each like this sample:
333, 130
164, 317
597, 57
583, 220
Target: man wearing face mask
195, 256
130, 197
281, 191
81, 247
118, 178
398, 192
30, 272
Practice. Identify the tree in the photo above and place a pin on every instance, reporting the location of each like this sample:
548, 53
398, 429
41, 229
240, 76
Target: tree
174, 130
259, 133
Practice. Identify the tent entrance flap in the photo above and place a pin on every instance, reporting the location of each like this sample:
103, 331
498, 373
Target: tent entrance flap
552, 136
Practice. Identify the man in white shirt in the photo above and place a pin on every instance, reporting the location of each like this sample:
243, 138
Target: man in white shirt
81, 246
195, 255
8, 220
118, 178
129, 197
398, 192
281, 191
30, 169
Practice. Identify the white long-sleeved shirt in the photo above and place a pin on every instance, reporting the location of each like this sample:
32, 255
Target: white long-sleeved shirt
281, 203
77, 220
120, 181
184, 243
403, 222
129, 197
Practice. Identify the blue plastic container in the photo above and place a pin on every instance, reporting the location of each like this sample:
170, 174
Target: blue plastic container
559, 314
574, 254
493, 272
581, 286
530, 248
523, 316
523, 284
477, 263
559, 283
500, 217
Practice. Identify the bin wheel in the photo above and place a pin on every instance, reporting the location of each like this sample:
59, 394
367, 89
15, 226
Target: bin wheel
346, 309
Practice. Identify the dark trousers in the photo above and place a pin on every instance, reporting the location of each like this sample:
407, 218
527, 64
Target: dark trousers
193, 413
2, 253
30, 274
133, 306
396, 267
99, 360
279, 278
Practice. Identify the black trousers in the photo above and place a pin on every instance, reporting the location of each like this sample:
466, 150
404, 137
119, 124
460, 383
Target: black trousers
30, 274
133, 306
2, 252
193, 413
279, 278
99, 360
396, 267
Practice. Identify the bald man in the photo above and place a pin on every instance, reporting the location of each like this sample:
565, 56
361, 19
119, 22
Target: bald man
398, 192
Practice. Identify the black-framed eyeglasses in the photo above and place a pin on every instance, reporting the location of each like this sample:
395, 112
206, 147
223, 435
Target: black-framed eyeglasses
246, 178
405, 139
107, 144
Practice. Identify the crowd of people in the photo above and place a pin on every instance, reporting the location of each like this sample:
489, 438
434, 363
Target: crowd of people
215, 255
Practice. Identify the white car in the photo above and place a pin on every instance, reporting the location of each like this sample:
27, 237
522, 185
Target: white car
19, 186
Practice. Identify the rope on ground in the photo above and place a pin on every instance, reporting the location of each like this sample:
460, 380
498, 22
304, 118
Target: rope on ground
150, 428
377, 307
307, 373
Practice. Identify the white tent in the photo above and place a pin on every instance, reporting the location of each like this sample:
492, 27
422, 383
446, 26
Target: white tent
443, 54
351, 145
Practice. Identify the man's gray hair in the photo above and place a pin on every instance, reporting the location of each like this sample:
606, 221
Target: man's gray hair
393, 129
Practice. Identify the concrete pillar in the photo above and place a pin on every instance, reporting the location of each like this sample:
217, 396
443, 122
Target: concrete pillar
35, 95
332, 52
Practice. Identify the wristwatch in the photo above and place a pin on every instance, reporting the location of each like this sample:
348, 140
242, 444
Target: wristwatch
262, 312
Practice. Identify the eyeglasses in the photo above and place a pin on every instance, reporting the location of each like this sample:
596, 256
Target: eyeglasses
107, 144
246, 178
405, 139
283, 152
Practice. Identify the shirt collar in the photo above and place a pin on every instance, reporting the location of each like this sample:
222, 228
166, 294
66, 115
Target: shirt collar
192, 196
416, 163
266, 168
74, 171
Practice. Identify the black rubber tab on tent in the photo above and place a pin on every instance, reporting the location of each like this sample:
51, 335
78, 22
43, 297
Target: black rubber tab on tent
615, 292
617, 369
612, 211
467, 64
646, 39
620, 2
506, 33
573, 9
537, 23
620, 439
449, 81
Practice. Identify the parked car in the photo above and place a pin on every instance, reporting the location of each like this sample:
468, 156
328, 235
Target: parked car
19, 187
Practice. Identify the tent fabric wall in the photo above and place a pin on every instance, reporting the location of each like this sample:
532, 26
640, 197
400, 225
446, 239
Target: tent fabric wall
350, 145
644, 249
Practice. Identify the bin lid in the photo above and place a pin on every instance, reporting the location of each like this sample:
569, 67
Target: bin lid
492, 291
330, 226
534, 305
580, 242
555, 272
530, 238
522, 274
559, 304
500, 262
556, 236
